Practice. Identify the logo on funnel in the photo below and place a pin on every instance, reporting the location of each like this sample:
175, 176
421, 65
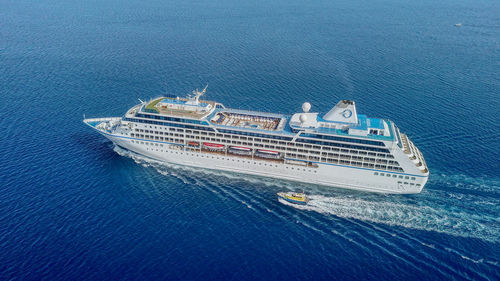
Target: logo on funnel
347, 113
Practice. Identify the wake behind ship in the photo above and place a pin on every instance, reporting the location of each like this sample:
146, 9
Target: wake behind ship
340, 149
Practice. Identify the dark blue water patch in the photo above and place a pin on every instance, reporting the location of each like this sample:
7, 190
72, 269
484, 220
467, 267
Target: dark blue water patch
75, 207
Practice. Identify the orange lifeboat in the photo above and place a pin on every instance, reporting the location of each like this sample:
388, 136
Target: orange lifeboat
193, 143
213, 146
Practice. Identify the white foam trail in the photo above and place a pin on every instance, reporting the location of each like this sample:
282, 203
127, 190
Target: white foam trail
430, 218
434, 210
432, 246
464, 182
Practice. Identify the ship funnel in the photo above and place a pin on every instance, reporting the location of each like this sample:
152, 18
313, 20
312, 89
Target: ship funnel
344, 111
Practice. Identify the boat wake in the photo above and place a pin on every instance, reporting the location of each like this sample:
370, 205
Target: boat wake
421, 215
438, 208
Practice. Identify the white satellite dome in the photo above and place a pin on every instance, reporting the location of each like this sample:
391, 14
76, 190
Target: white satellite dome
306, 107
303, 118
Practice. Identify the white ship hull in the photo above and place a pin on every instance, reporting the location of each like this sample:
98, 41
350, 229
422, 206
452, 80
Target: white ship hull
341, 149
324, 174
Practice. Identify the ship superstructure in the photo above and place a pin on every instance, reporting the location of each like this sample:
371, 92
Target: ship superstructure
340, 148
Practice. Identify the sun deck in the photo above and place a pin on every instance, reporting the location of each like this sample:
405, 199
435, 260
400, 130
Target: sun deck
179, 107
249, 120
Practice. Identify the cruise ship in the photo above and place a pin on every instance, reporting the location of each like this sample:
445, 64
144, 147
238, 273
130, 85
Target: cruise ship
341, 148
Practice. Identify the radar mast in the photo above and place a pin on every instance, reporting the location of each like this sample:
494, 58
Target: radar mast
194, 98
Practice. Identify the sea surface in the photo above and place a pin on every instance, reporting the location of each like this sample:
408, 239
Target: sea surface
74, 207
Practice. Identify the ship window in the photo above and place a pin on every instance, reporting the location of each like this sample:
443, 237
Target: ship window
412, 178
388, 175
382, 174
394, 176
400, 177
407, 177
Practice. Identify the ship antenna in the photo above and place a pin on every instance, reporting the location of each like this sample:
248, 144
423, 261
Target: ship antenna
198, 94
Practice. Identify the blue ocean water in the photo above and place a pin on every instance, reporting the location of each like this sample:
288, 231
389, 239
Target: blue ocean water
72, 206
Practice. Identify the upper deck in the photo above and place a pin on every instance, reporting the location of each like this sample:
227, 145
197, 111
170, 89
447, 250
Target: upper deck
248, 120
179, 107
342, 120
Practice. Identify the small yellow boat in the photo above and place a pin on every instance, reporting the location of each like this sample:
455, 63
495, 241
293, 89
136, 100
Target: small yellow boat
294, 197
